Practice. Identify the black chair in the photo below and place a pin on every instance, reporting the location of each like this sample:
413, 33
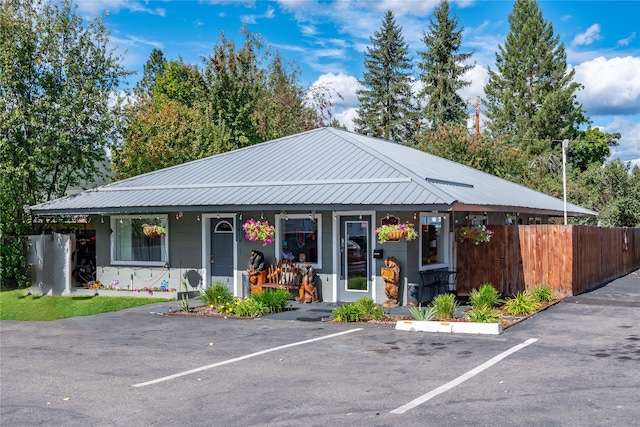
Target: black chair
436, 281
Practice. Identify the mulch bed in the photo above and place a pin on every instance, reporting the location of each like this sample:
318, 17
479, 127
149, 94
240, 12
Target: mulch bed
389, 320
204, 311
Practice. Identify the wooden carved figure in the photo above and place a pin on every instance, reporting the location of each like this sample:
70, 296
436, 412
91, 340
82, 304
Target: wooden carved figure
391, 276
308, 290
257, 273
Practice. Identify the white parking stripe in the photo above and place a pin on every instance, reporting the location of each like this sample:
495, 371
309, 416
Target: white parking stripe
238, 359
462, 378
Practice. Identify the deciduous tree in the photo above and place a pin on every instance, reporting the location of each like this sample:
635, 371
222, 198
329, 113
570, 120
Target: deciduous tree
612, 190
59, 107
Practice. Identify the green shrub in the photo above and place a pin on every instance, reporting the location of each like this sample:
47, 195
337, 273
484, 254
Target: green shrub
217, 295
445, 305
347, 313
249, 308
274, 299
184, 304
485, 296
483, 314
542, 293
369, 309
358, 311
419, 313
521, 304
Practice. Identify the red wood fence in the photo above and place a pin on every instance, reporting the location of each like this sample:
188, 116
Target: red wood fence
570, 259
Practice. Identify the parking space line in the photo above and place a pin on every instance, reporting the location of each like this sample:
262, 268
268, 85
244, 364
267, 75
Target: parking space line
462, 378
238, 359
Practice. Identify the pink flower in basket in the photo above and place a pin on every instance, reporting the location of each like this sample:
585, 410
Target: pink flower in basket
259, 231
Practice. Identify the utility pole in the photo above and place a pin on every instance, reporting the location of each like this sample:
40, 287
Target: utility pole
477, 116
565, 144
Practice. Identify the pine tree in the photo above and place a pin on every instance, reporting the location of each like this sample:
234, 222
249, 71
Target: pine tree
387, 107
531, 95
442, 69
152, 69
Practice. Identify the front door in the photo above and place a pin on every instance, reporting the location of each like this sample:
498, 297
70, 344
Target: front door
355, 263
221, 255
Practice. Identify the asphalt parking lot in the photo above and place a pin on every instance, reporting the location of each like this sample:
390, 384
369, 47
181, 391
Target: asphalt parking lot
574, 364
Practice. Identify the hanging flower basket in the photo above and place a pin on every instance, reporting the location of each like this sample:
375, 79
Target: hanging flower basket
396, 232
259, 231
475, 234
396, 235
152, 230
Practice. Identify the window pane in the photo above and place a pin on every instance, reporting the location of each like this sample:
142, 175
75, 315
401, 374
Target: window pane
300, 236
356, 240
133, 244
432, 240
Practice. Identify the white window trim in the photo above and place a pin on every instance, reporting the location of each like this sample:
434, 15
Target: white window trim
113, 233
278, 240
446, 241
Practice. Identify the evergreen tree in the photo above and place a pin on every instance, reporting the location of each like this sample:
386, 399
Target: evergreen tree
531, 95
387, 107
152, 69
442, 69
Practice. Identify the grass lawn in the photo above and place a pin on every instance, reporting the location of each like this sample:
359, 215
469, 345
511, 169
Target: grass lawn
14, 305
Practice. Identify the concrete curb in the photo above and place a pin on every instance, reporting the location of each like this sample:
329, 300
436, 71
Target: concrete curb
449, 327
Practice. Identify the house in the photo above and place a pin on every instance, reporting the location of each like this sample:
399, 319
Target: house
324, 190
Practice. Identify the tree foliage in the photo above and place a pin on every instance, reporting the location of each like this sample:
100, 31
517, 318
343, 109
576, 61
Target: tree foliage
592, 146
59, 108
612, 190
442, 68
483, 152
241, 96
531, 96
387, 108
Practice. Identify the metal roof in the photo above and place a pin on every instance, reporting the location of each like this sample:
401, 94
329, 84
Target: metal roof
324, 168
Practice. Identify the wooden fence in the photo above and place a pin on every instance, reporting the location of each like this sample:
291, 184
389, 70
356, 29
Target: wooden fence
570, 259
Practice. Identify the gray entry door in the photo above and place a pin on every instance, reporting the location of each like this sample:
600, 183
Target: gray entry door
221, 256
355, 258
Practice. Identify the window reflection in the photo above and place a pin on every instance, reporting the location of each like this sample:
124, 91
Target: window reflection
432, 237
299, 235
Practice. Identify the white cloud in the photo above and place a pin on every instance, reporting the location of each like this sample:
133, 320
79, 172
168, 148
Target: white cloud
114, 6
402, 7
346, 117
478, 76
592, 34
629, 148
252, 19
626, 41
611, 86
344, 84
344, 110
135, 41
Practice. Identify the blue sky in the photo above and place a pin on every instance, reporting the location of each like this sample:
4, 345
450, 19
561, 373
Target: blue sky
327, 40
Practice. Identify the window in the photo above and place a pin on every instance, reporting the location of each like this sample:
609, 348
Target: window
299, 234
433, 241
139, 240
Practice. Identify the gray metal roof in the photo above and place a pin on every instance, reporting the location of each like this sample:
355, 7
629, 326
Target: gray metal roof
325, 168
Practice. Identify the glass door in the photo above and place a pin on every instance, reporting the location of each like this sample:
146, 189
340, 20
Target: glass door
354, 258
